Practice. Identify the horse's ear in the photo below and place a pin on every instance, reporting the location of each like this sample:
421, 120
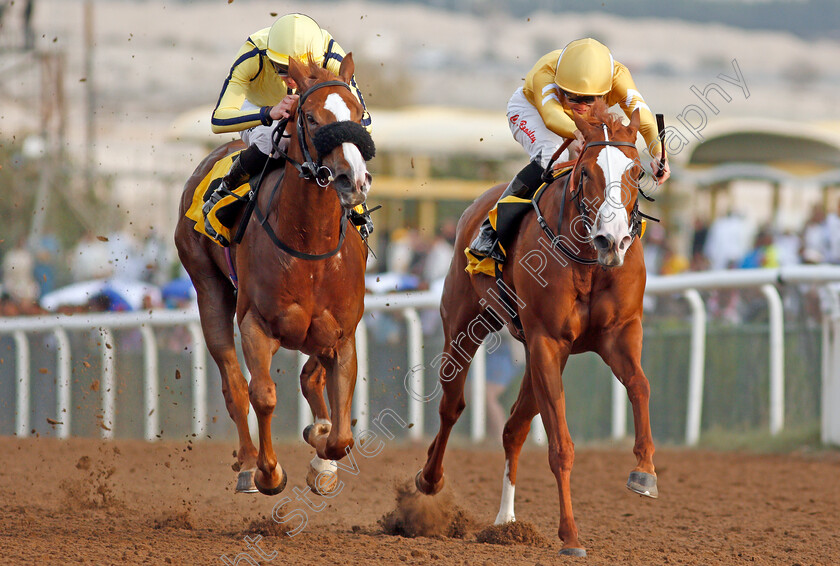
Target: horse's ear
580, 121
635, 120
297, 71
345, 72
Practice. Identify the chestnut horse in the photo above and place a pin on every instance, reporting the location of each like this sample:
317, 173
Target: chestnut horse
587, 298
300, 280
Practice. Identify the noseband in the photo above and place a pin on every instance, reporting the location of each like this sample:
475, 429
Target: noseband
580, 203
327, 138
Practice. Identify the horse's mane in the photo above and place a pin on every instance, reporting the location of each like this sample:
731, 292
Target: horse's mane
316, 71
599, 113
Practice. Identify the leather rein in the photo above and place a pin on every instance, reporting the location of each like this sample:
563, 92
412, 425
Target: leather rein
309, 170
580, 204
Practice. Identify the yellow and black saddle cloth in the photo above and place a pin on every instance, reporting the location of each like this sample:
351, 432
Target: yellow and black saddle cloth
224, 212
505, 218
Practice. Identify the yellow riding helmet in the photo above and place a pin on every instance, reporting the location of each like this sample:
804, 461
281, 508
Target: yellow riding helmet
585, 67
296, 35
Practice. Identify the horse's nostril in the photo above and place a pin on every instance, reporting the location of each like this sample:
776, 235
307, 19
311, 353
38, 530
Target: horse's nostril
603, 242
625, 243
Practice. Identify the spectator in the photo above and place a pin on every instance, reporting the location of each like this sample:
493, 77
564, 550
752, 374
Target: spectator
764, 252
18, 275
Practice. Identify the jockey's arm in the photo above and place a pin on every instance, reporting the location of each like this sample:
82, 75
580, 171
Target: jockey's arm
228, 115
625, 94
334, 55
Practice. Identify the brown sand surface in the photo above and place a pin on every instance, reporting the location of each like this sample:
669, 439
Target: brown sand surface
85, 501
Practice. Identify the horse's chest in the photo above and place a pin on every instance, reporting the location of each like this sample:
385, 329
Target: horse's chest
297, 328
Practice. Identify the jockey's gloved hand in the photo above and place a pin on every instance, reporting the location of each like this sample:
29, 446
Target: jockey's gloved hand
661, 172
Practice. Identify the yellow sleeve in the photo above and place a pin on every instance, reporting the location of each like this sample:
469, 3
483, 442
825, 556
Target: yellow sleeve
333, 56
624, 94
228, 115
541, 91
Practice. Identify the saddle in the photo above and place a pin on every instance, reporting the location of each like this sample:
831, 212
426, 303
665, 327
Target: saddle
505, 218
224, 212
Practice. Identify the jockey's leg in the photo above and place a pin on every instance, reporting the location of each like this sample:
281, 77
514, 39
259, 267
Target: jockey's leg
248, 163
523, 184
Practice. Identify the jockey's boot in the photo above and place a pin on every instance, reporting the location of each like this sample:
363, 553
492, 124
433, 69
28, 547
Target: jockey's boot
235, 177
360, 217
523, 185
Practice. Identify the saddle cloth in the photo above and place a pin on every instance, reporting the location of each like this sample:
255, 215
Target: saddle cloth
223, 213
203, 191
505, 219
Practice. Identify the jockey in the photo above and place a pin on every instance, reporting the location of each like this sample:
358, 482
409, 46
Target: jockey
258, 92
539, 115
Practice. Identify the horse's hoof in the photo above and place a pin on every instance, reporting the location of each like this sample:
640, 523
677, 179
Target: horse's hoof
579, 552
281, 485
318, 428
643, 484
425, 487
245, 482
321, 482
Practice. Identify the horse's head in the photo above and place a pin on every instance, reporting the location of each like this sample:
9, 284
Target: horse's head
328, 119
606, 179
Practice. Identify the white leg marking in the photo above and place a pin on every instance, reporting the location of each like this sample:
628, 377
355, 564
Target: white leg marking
506, 508
320, 465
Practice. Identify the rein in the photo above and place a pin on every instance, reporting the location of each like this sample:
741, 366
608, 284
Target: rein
309, 170
576, 197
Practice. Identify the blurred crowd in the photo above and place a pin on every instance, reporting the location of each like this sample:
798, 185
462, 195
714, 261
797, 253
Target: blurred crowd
120, 272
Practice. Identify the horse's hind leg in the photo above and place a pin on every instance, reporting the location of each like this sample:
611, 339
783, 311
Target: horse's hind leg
463, 330
313, 378
513, 437
623, 354
216, 306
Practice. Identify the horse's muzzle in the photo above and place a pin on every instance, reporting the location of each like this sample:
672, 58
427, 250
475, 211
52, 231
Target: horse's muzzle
352, 192
610, 254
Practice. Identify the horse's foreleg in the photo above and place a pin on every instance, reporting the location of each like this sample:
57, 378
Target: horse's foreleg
623, 354
547, 357
258, 349
513, 437
313, 378
341, 370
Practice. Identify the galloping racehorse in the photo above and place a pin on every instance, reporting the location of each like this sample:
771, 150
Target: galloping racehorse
577, 291
300, 280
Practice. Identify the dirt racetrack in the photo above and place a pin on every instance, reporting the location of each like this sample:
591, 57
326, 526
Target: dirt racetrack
85, 501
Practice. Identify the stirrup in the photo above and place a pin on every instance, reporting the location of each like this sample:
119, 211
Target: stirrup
362, 221
212, 201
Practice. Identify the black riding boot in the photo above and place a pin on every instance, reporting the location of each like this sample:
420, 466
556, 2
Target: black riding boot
240, 171
523, 185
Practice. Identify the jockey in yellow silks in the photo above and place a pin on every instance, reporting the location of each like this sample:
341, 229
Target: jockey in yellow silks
539, 115
258, 92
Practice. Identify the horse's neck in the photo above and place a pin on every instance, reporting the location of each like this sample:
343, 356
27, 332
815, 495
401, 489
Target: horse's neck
306, 213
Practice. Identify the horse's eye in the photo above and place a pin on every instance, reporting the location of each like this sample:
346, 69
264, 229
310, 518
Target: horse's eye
311, 120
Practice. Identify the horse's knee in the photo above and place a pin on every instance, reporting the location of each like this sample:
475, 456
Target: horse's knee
638, 388
263, 396
562, 458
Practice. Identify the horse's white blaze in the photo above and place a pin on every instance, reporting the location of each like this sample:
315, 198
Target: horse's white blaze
612, 216
506, 507
353, 156
337, 106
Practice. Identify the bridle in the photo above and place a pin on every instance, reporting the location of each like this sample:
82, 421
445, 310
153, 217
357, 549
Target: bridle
574, 170
325, 140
